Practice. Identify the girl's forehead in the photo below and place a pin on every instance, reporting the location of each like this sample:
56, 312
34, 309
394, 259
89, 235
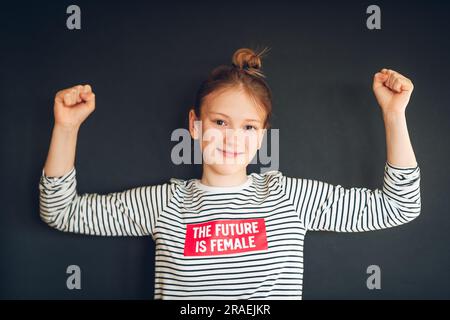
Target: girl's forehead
234, 104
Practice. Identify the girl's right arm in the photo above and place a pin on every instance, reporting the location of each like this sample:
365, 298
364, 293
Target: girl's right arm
132, 212
72, 106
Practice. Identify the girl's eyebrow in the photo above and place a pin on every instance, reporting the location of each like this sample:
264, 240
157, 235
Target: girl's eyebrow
223, 114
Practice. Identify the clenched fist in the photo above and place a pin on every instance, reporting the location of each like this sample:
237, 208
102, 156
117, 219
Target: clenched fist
73, 106
392, 90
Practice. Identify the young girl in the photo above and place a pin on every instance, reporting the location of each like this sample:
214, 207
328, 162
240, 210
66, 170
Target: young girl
230, 235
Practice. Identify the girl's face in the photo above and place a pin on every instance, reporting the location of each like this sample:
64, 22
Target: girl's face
231, 130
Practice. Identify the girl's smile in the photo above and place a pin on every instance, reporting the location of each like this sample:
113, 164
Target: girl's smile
230, 154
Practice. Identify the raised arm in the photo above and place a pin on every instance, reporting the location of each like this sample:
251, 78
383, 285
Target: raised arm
71, 107
322, 206
132, 212
393, 92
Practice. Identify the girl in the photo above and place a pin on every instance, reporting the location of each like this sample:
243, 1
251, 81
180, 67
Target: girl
230, 235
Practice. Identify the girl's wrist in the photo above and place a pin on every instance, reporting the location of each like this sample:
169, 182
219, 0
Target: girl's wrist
66, 129
393, 115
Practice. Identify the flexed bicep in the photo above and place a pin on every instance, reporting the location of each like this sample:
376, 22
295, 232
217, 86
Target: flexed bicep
325, 207
131, 212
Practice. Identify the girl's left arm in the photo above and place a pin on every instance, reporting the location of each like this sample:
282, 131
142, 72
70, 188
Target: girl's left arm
326, 207
393, 91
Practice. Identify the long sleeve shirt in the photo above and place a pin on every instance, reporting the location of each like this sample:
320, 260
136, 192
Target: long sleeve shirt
241, 242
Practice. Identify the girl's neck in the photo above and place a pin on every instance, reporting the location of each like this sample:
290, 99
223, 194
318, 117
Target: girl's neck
216, 179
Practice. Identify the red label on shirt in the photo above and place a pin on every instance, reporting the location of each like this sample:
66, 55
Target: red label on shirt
225, 237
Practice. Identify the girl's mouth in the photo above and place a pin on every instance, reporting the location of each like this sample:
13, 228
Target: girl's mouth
230, 154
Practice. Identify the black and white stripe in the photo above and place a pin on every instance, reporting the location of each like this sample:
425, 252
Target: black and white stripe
289, 206
322, 206
133, 212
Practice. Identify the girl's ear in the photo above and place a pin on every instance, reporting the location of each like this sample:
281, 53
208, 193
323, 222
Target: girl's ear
193, 124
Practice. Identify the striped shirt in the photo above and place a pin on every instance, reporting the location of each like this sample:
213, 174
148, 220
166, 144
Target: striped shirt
241, 242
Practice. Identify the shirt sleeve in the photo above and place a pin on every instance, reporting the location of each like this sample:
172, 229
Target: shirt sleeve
132, 212
325, 207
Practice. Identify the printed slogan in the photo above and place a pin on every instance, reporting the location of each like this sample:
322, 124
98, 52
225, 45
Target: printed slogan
225, 237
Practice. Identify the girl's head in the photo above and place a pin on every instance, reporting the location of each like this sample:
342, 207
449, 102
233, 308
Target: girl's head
232, 111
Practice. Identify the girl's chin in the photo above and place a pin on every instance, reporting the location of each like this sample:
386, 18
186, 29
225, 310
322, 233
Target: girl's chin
227, 169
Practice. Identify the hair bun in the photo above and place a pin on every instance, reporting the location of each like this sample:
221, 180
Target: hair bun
246, 59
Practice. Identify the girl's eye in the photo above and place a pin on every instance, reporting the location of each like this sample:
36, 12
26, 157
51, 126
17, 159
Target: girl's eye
249, 127
220, 122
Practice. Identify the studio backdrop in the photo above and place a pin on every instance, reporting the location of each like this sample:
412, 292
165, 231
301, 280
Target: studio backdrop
145, 61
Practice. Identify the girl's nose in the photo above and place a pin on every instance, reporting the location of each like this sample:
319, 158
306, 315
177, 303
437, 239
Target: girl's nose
233, 138
234, 133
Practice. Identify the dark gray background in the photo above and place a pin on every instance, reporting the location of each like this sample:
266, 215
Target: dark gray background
145, 61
